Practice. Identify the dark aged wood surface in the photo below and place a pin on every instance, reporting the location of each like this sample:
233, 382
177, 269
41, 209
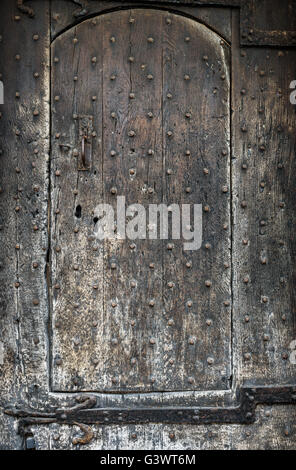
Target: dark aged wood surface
182, 341
263, 247
62, 15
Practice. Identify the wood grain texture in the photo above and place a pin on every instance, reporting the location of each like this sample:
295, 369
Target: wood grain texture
140, 73
62, 14
264, 217
263, 198
24, 179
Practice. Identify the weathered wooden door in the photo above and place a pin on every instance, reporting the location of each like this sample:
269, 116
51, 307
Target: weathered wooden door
143, 314
141, 104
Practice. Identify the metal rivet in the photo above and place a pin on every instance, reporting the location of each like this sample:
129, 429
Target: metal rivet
151, 303
244, 204
112, 39
210, 361
150, 152
206, 171
113, 265
131, 133
94, 60
169, 133
170, 246
186, 77
132, 96
152, 341
112, 77
150, 115
192, 340
168, 21
170, 284
150, 77
150, 40
57, 98
169, 96
206, 209
188, 115
208, 283
209, 322
247, 356
113, 190
18, 57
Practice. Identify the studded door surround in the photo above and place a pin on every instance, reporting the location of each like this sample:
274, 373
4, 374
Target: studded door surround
141, 315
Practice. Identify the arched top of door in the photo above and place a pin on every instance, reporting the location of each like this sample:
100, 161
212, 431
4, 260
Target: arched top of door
201, 15
172, 13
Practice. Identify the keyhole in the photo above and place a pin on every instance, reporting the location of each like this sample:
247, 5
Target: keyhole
96, 220
78, 212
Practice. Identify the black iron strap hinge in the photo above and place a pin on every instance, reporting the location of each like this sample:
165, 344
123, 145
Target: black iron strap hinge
85, 413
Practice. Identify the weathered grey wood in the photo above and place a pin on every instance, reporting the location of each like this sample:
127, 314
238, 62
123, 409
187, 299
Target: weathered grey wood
263, 203
24, 179
263, 239
129, 64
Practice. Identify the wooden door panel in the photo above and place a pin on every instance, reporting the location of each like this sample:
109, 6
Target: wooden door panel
146, 314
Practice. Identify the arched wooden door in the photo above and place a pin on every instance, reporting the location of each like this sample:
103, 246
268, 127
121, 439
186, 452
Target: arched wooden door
151, 92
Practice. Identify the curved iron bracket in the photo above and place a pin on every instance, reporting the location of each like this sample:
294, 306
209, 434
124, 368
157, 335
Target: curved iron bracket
82, 11
25, 9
